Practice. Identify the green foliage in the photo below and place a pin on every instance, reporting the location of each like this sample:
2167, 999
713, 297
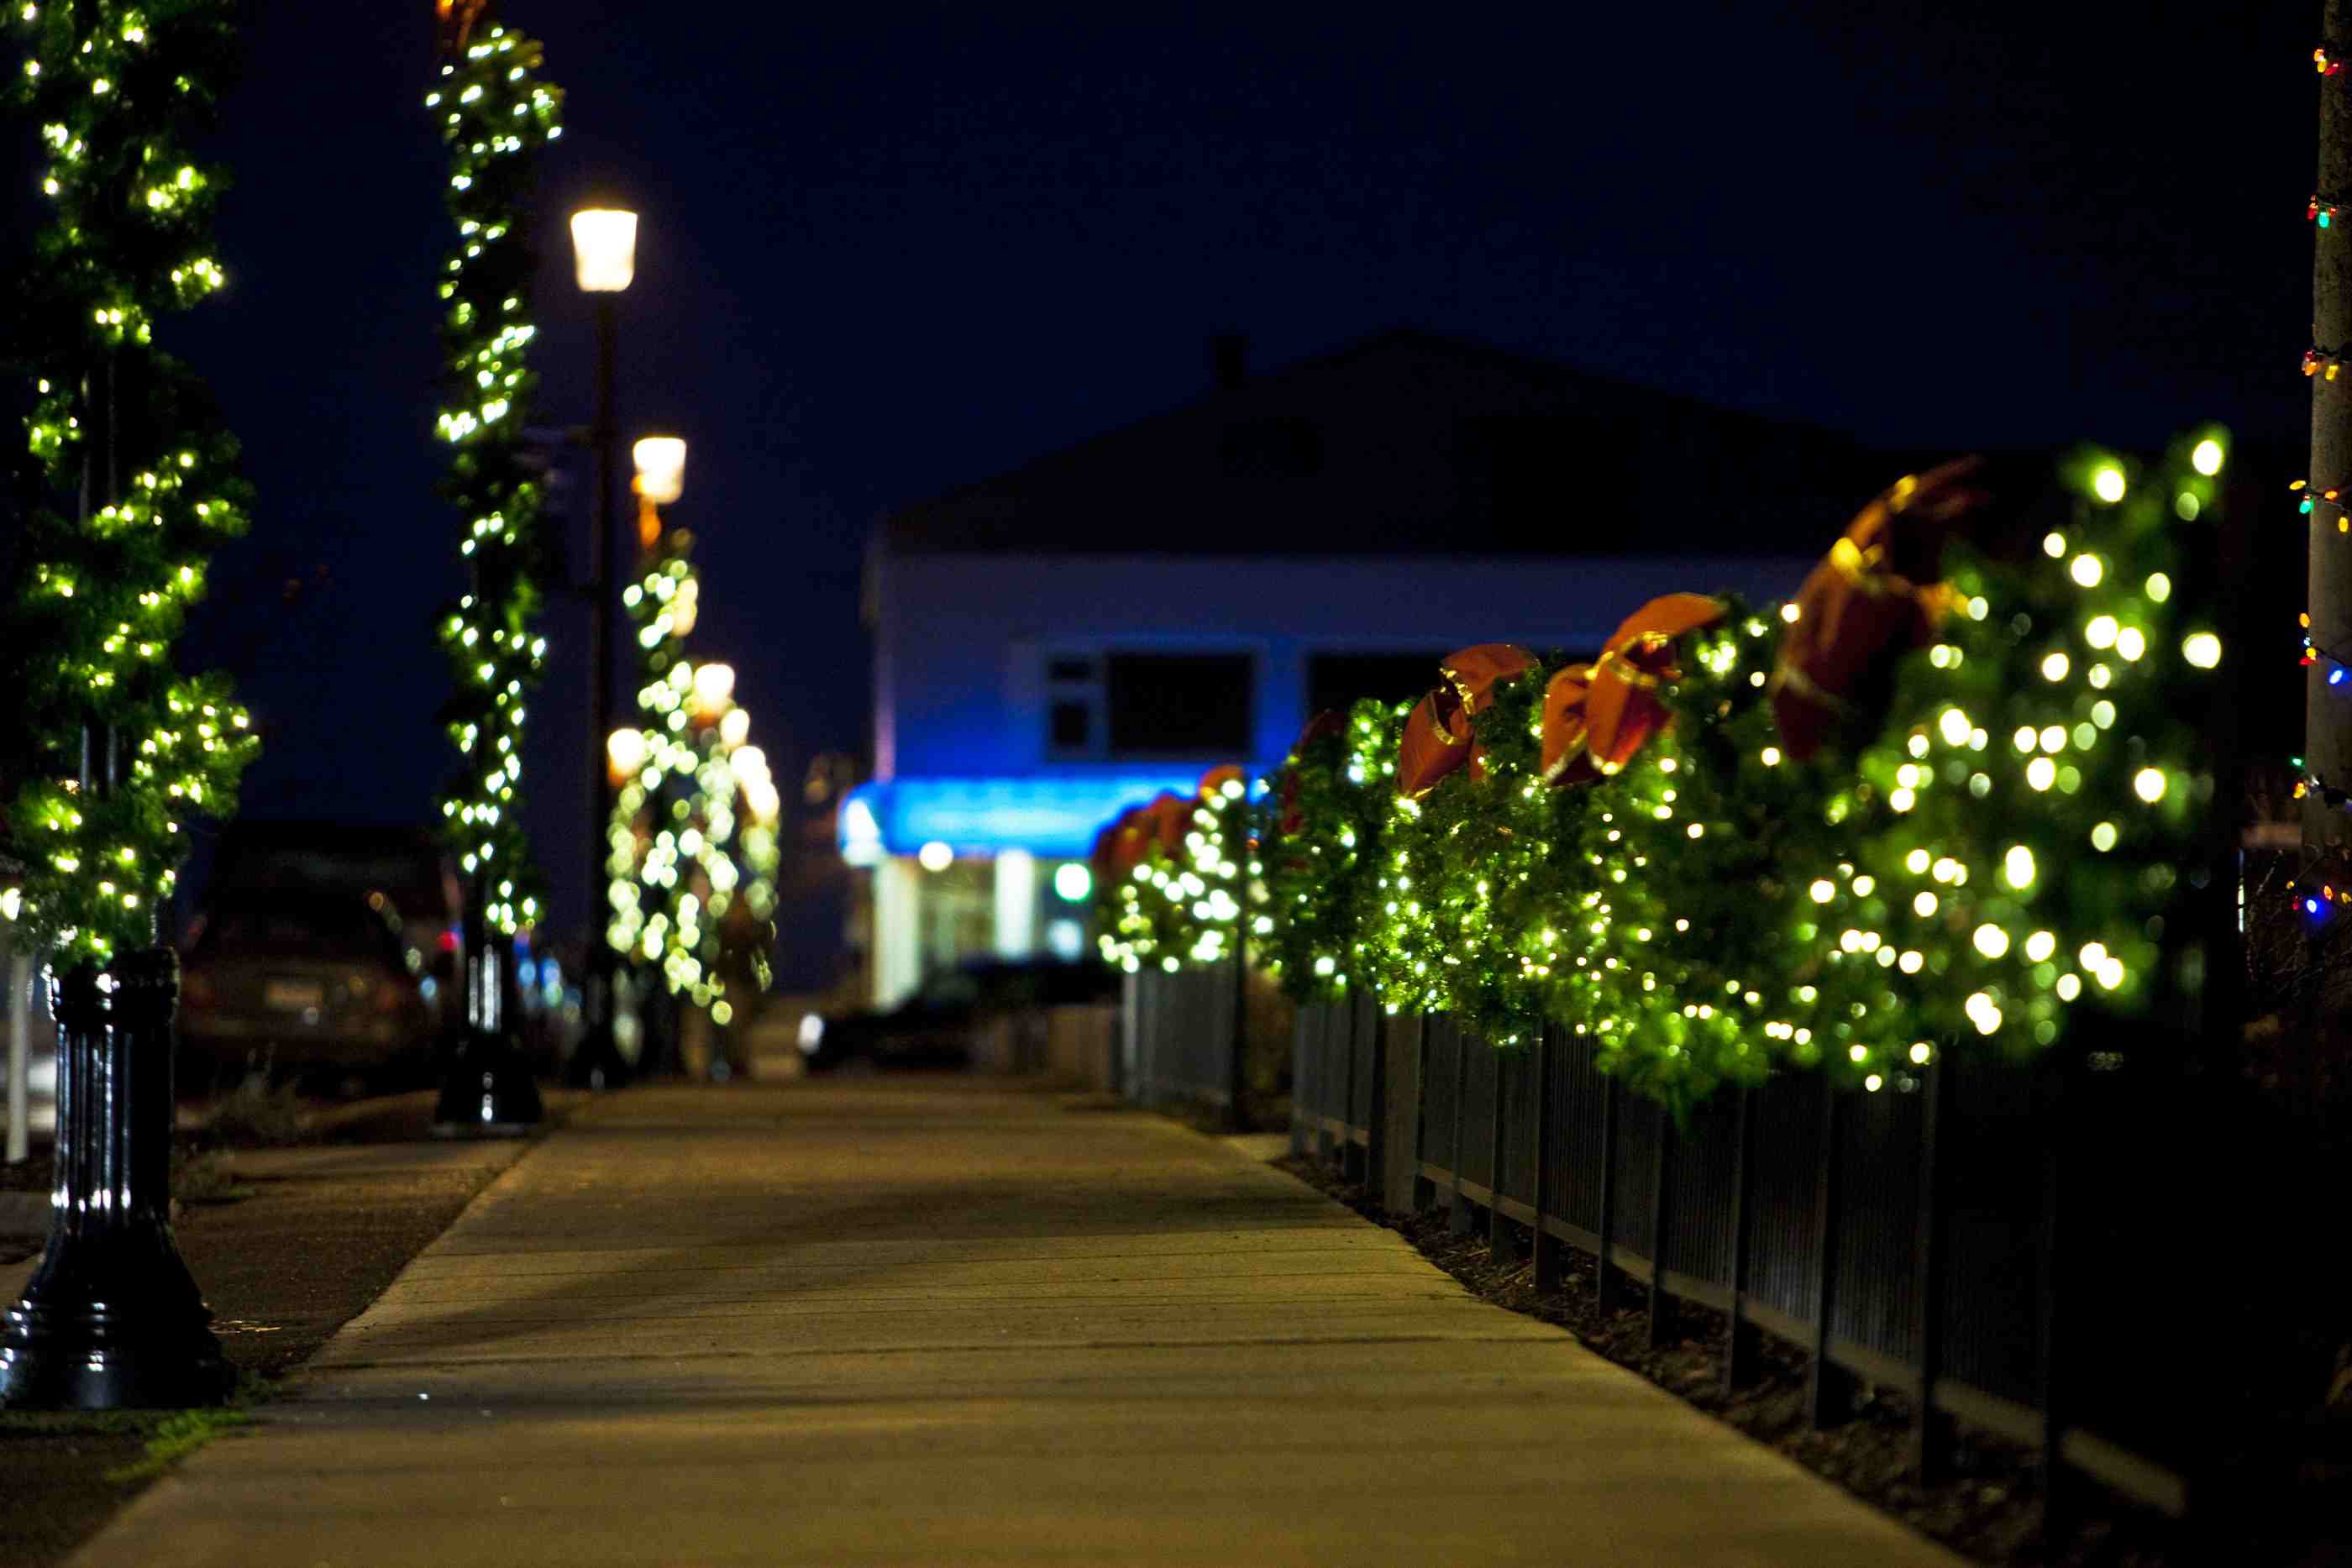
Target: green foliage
1185, 908
1316, 825
496, 115
692, 849
2005, 847
126, 479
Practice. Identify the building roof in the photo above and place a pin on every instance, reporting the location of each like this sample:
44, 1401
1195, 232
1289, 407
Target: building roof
1410, 444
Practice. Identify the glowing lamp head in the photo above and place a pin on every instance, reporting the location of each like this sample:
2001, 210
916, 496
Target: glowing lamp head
935, 856
732, 730
2107, 484
714, 687
2207, 458
661, 468
603, 249
625, 754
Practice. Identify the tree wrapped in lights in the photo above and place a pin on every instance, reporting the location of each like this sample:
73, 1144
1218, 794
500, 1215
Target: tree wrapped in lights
128, 476
693, 840
496, 115
2001, 847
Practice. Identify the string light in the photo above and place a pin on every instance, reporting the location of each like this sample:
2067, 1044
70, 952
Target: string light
692, 846
103, 591
2325, 363
1924, 893
495, 115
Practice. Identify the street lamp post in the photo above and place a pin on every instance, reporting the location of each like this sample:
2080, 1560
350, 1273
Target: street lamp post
605, 245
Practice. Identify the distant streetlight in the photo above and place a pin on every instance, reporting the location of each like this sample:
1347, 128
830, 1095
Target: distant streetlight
661, 468
605, 258
604, 249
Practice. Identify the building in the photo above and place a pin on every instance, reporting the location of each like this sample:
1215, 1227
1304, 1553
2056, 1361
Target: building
1070, 638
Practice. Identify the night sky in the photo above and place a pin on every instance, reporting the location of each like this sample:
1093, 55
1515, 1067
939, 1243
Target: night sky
895, 248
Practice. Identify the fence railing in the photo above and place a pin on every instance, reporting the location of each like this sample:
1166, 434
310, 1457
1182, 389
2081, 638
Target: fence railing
1907, 1238
1177, 1036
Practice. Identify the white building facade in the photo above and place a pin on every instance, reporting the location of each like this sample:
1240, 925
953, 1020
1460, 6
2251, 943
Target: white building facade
1057, 645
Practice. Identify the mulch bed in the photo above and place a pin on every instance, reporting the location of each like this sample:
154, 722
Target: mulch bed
1990, 1507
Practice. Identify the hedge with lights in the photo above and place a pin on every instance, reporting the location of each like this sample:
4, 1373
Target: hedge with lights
1180, 903
1993, 836
693, 851
128, 481
495, 114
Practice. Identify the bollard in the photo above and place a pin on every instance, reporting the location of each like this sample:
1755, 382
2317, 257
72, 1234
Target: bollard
112, 1318
489, 1090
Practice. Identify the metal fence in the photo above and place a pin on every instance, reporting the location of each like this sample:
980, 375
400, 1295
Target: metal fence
1177, 1036
1908, 1239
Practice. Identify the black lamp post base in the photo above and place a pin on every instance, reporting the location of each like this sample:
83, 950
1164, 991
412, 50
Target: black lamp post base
488, 1093
81, 1354
113, 1319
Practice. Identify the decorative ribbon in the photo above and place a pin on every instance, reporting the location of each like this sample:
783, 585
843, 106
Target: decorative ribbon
1876, 590
1567, 759
1437, 733
1621, 709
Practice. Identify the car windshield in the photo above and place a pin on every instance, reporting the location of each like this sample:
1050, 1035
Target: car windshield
312, 927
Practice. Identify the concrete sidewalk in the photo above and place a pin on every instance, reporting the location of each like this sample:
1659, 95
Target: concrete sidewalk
927, 1322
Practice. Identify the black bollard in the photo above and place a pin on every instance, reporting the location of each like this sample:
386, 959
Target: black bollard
113, 1319
489, 1090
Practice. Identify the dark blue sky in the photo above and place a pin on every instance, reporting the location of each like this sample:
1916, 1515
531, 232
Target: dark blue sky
889, 248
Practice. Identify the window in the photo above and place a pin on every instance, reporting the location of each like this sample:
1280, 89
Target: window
1072, 727
1118, 707
1339, 681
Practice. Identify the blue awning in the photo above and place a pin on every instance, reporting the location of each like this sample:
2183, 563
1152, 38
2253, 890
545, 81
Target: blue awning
1046, 816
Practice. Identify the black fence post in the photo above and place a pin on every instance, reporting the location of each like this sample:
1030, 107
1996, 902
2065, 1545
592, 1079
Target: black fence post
1237, 1074
1738, 1339
2050, 1289
1352, 1162
1932, 1439
1500, 1244
1827, 1401
1547, 1245
1374, 1159
1608, 1193
1457, 1219
1301, 1093
1659, 1209
1425, 1191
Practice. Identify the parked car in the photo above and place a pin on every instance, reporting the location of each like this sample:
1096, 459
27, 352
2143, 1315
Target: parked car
302, 982
935, 1026
404, 873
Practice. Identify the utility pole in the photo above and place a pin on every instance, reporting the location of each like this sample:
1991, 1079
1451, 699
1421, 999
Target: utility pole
2327, 711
